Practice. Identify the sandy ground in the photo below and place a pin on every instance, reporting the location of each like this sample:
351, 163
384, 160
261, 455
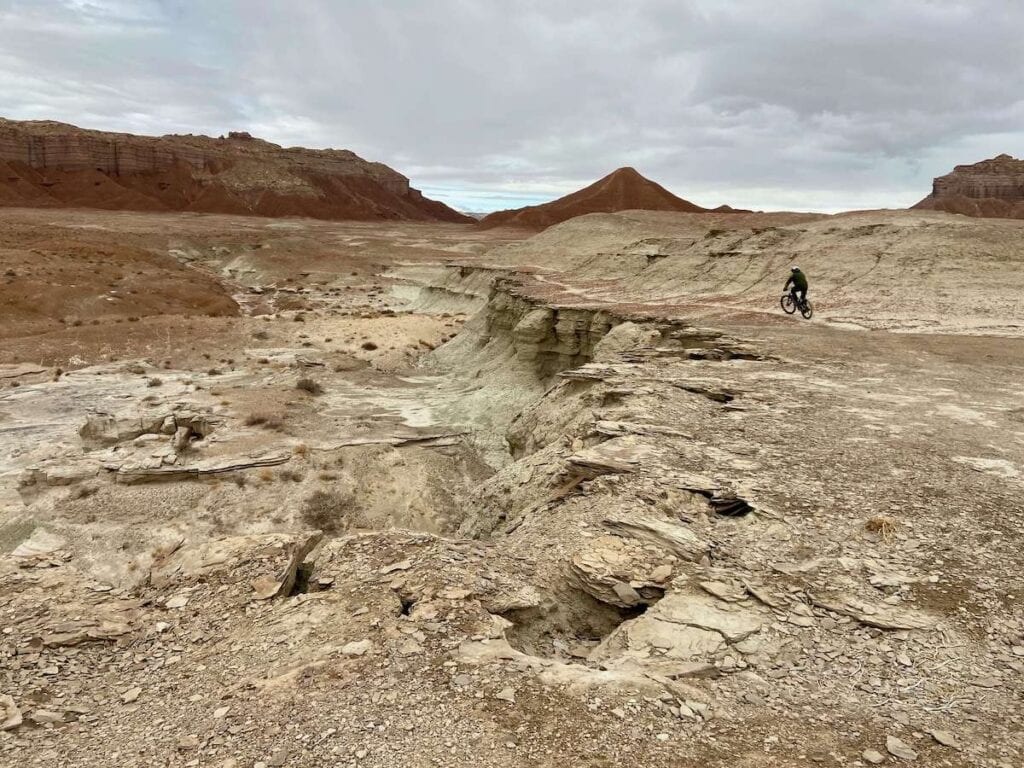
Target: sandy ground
588, 497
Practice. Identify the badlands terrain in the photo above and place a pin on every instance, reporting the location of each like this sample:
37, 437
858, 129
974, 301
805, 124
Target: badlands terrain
289, 492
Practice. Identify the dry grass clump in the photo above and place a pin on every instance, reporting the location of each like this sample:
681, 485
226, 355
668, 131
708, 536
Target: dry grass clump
309, 385
265, 420
301, 449
327, 510
882, 525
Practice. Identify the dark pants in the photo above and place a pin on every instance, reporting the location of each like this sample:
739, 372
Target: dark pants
799, 294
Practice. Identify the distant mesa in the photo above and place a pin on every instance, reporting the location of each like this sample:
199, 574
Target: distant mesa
621, 190
50, 164
992, 189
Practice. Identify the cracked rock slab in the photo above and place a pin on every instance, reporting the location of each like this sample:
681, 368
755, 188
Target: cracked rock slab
619, 572
683, 625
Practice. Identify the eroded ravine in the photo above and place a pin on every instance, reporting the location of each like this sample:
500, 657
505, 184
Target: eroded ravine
560, 500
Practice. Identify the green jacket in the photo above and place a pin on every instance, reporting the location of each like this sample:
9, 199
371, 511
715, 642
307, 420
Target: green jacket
799, 281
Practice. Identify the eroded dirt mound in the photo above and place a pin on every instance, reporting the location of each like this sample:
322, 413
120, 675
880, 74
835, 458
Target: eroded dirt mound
51, 164
621, 190
992, 188
70, 278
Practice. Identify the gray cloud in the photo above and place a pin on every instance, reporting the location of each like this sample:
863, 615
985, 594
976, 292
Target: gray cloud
772, 104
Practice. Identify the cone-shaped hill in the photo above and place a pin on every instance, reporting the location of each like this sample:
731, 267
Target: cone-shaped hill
621, 190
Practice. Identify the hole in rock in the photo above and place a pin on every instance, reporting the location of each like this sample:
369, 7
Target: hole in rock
304, 581
408, 603
730, 506
568, 628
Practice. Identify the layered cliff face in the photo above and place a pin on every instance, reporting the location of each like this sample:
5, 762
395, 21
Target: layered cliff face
991, 188
53, 164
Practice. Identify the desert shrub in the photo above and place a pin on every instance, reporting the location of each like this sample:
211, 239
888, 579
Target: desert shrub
154, 382
265, 420
292, 475
309, 385
327, 510
369, 346
882, 525
261, 335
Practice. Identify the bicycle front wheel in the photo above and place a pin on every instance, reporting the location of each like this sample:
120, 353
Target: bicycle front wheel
788, 305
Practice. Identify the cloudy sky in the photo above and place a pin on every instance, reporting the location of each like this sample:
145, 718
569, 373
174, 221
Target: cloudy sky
487, 104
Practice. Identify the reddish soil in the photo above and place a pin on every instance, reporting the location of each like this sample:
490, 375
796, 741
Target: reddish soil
621, 190
58, 277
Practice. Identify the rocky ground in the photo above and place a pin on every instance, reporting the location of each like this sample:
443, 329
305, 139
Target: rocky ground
427, 495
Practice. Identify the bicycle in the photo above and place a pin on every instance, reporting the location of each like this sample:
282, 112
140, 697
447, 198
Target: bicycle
790, 305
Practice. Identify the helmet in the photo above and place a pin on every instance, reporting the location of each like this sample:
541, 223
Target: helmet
795, 269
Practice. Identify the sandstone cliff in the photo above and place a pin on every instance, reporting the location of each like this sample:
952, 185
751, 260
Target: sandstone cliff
45, 163
991, 188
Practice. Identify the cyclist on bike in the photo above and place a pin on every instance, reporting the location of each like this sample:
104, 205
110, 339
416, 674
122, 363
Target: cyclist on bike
799, 282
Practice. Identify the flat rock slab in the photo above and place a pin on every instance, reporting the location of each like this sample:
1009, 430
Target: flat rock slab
672, 537
131, 474
684, 625
616, 456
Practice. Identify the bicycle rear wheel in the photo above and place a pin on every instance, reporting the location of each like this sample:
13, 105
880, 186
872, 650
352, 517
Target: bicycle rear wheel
788, 305
807, 310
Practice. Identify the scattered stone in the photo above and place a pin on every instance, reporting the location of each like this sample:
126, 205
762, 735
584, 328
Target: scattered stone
187, 742
357, 648
985, 682
945, 738
403, 565
178, 601
131, 695
10, 715
409, 647
661, 574
873, 756
46, 716
506, 694
899, 748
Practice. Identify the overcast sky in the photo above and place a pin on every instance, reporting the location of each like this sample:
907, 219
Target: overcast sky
486, 104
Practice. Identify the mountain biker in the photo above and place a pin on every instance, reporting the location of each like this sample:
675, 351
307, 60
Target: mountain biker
799, 282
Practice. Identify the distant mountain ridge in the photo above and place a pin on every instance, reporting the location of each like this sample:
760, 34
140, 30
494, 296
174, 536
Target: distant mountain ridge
51, 164
622, 190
